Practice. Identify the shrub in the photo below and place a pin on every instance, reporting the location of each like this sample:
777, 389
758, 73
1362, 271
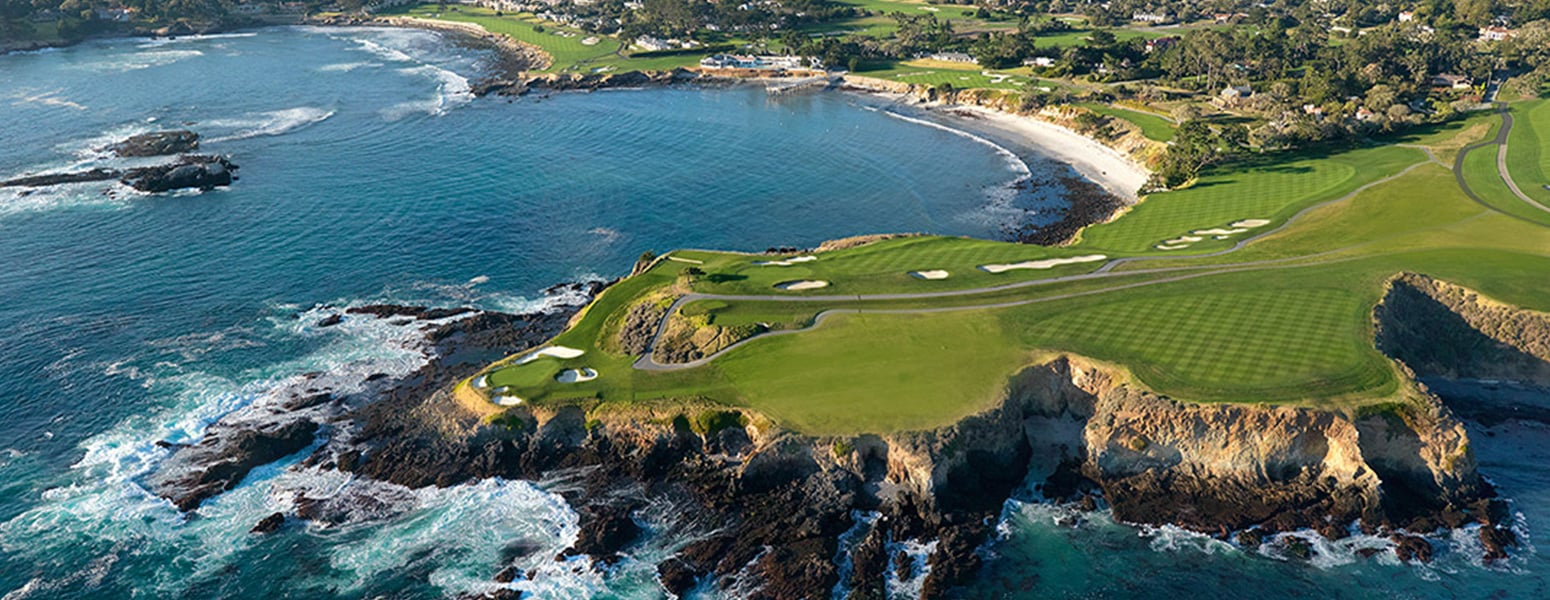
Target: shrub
711, 422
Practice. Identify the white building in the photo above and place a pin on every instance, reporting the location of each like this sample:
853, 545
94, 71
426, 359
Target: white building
957, 57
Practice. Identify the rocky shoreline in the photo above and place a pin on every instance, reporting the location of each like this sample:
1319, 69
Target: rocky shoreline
763, 511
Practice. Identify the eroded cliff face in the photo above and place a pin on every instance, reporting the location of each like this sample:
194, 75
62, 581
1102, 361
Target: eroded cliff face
763, 511
1439, 329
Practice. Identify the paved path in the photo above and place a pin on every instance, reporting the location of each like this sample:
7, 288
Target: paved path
1501, 163
1501, 142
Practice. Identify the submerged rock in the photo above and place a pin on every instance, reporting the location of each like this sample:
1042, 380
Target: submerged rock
269, 524
157, 143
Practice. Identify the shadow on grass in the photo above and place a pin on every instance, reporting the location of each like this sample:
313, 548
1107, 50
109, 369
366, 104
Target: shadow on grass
724, 277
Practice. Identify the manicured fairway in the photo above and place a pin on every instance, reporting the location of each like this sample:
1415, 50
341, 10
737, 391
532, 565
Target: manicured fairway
1528, 150
939, 73
1272, 192
862, 373
1199, 341
883, 267
567, 49
1152, 126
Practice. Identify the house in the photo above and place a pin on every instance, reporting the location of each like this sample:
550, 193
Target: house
118, 13
765, 63
1362, 114
1452, 81
1154, 18
1161, 43
1313, 109
1406, 16
1495, 33
1039, 61
652, 44
1233, 94
957, 57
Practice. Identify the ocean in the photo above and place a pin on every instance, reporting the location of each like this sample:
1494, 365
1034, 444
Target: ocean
369, 173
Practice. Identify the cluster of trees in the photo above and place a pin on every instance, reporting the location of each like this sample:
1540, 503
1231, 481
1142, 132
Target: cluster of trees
1195, 146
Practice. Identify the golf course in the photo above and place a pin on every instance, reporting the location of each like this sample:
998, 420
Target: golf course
1255, 284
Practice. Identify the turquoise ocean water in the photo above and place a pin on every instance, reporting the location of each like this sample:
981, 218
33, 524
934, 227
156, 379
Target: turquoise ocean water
369, 174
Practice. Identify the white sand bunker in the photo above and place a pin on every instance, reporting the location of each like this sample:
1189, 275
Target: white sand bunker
1251, 223
502, 396
1172, 246
805, 284
1184, 239
481, 382
1220, 232
560, 352
1042, 264
576, 375
932, 274
785, 263
590, 41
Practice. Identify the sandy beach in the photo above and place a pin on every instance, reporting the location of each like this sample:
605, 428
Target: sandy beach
1099, 163
1094, 161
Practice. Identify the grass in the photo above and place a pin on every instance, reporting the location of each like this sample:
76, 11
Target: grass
1152, 126
1527, 158
1288, 319
938, 73
568, 52
1272, 192
883, 268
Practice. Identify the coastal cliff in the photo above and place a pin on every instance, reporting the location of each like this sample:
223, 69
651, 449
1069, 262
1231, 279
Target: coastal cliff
769, 513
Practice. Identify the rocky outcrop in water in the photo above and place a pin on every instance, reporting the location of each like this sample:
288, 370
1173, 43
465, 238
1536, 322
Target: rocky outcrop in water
158, 143
188, 172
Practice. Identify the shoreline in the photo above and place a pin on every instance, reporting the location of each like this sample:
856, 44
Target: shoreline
1090, 158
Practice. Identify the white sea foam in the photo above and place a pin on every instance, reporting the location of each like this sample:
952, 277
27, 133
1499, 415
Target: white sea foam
347, 67
16, 201
847, 541
452, 90
133, 61
270, 123
917, 553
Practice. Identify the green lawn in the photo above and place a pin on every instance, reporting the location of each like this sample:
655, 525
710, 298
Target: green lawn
564, 44
1528, 159
937, 74
1152, 126
894, 372
1270, 192
884, 267
1288, 319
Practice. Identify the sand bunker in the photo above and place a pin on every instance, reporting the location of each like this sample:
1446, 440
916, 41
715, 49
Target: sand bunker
576, 375
1172, 246
590, 41
1184, 239
1220, 231
482, 382
1042, 264
1251, 223
797, 286
785, 263
560, 352
502, 396
933, 274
